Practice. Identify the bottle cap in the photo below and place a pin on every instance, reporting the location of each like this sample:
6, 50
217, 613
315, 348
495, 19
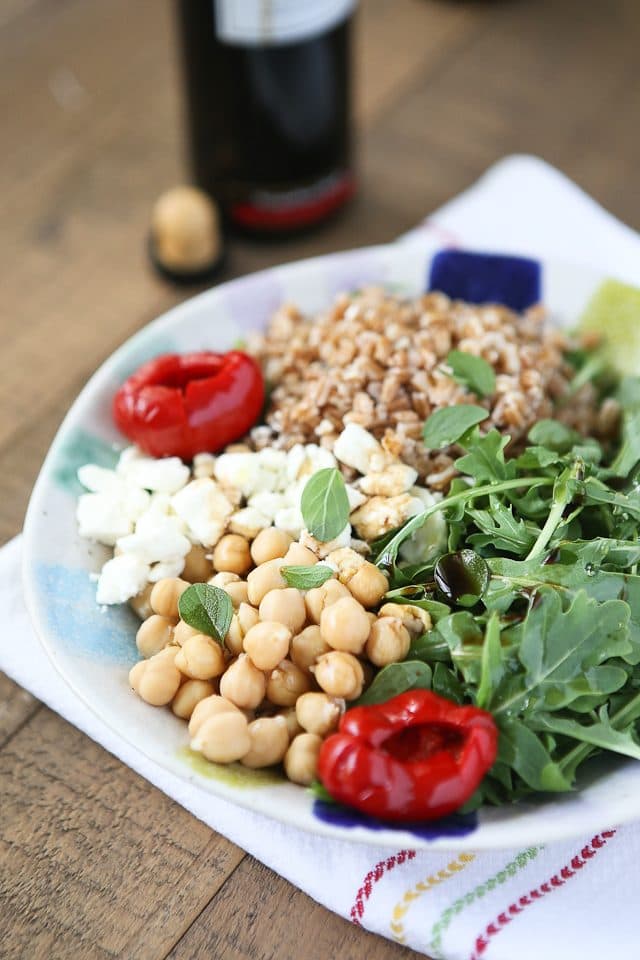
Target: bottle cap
186, 242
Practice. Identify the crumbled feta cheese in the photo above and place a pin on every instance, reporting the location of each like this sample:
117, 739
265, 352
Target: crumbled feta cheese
355, 498
303, 461
243, 471
268, 503
381, 514
249, 522
166, 568
324, 549
107, 516
205, 510
290, 520
99, 479
355, 447
346, 562
395, 478
203, 465
122, 578
166, 475
156, 538
431, 537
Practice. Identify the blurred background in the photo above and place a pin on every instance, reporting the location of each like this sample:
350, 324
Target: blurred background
93, 131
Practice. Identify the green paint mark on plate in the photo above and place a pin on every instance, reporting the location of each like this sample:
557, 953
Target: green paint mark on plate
232, 774
78, 449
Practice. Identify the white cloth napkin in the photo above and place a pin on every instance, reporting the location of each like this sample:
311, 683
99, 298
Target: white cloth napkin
566, 901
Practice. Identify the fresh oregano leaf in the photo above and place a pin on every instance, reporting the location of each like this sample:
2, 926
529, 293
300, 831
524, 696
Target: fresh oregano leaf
325, 505
472, 372
394, 679
306, 578
446, 425
207, 609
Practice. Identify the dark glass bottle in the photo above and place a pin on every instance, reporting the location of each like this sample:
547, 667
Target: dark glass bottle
268, 108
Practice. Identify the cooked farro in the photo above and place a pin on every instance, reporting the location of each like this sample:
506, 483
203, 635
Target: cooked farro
378, 360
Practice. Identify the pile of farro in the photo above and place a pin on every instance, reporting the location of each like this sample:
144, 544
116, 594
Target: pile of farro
378, 360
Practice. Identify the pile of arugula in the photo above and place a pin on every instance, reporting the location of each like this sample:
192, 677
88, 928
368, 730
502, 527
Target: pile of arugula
550, 642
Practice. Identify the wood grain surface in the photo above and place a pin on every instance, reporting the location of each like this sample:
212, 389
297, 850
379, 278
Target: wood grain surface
95, 862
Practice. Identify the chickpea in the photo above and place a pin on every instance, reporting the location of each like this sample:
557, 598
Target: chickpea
388, 642
368, 584
201, 658
286, 683
156, 681
154, 634
269, 545
189, 696
285, 606
243, 683
248, 616
293, 727
269, 742
209, 707
301, 759
415, 619
223, 738
345, 626
231, 554
317, 713
166, 594
140, 603
320, 597
238, 591
267, 644
223, 579
340, 674
197, 564
182, 631
307, 646
264, 578
299, 556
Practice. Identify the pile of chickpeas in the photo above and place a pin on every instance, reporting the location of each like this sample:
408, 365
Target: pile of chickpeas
291, 660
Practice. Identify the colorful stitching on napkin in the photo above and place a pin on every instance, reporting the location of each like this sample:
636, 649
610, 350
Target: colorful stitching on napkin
414, 893
554, 882
514, 282
509, 871
384, 866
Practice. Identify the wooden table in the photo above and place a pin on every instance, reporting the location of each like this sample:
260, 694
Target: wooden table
95, 862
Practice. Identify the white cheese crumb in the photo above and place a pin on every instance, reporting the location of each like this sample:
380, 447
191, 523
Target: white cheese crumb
121, 578
205, 510
249, 522
166, 475
203, 465
355, 447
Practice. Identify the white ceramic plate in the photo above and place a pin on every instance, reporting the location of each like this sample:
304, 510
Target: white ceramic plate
93, 649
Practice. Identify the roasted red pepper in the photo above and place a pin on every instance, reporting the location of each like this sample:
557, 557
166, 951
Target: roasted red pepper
415, 757
183, 404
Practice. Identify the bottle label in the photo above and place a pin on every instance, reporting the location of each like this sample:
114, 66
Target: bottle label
264, 22
276, 212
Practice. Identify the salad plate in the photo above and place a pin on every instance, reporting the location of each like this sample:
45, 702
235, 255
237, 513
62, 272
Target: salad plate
93, 647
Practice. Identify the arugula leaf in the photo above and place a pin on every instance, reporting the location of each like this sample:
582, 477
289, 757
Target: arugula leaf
501, 530
600, 733
447, 424
484, 460
559, 645
554, 435
325, 505
472, 372
394, 679
207, 609
446, 683
520, 748
492, 665
306, 578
